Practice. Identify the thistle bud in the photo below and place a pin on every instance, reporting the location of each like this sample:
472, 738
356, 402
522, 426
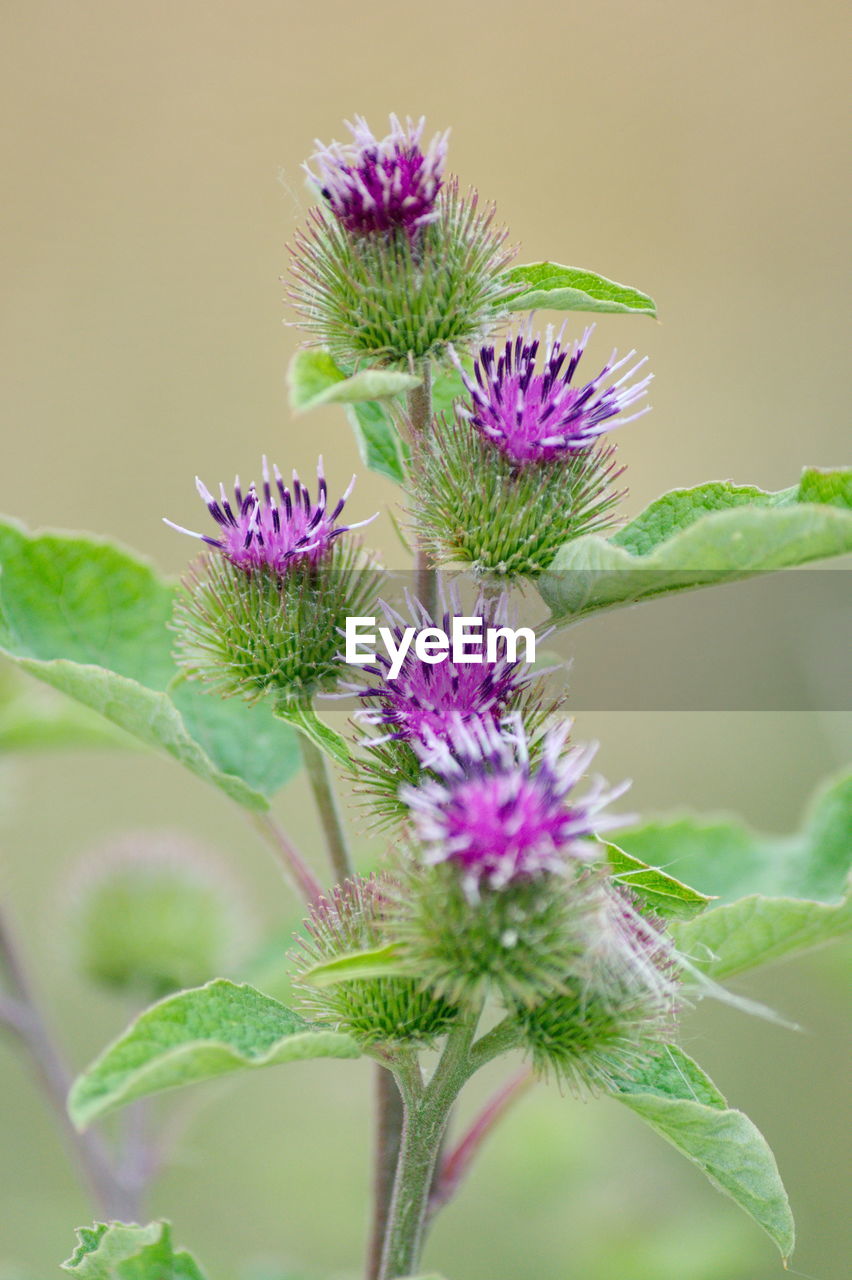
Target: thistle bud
373, 1010
153, 914
618, 1000
397, 265
521, 466
262, 612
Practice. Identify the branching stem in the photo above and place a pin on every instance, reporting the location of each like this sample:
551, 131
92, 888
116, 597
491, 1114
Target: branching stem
426, 1111
21, 1015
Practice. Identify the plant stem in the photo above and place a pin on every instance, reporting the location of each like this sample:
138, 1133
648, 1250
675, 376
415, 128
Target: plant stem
295, 868
426, 1111
23, 1017
326, 802
390, 1111
419, 419
389, 1121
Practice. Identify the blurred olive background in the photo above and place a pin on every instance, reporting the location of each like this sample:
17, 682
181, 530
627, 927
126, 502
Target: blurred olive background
151, 165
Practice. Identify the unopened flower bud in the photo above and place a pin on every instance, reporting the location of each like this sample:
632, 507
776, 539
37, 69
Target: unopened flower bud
152, 913
390, 1009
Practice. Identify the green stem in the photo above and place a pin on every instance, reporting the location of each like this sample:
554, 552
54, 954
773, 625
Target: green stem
426, 1111
419, 420
326, 802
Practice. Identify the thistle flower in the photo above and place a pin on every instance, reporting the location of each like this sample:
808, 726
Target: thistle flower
396, 298
262, 611
533, 416
427, 700
374, 186
392, 1009
497, 817
274, 533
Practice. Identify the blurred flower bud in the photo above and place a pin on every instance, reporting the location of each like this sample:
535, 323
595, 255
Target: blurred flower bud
152, 913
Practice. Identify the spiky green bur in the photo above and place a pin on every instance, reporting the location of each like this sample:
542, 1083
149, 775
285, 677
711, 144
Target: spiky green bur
247, 633
387, 1010
473, 505
517, 942
151, 916
397, 297
618, 1003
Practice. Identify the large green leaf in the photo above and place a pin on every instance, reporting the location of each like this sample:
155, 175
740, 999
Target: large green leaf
91, 619
552, 287
697, 537
117, 1251
727, 859
33, 717
314, 379
674, 1096
661, 892
194, 1036
756, 930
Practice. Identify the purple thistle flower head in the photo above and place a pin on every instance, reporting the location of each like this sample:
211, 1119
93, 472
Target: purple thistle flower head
284, 527
374, 185
426, 700
496, 816
536, 415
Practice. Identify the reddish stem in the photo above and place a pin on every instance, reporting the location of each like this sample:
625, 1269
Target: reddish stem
458, 1160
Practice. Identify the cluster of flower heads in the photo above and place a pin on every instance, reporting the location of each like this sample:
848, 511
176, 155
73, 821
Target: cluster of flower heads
497, 816
377, 185
533, 415
283, 528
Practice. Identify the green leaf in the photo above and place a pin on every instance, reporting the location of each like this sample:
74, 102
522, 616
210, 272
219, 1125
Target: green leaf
729, 860
551, 286
757, 930
90, 618
664, 894
197, 1035
33, 718
314, 378
303, 717
116, 1251
377, 962
697, 537
381, 447
674, 1096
